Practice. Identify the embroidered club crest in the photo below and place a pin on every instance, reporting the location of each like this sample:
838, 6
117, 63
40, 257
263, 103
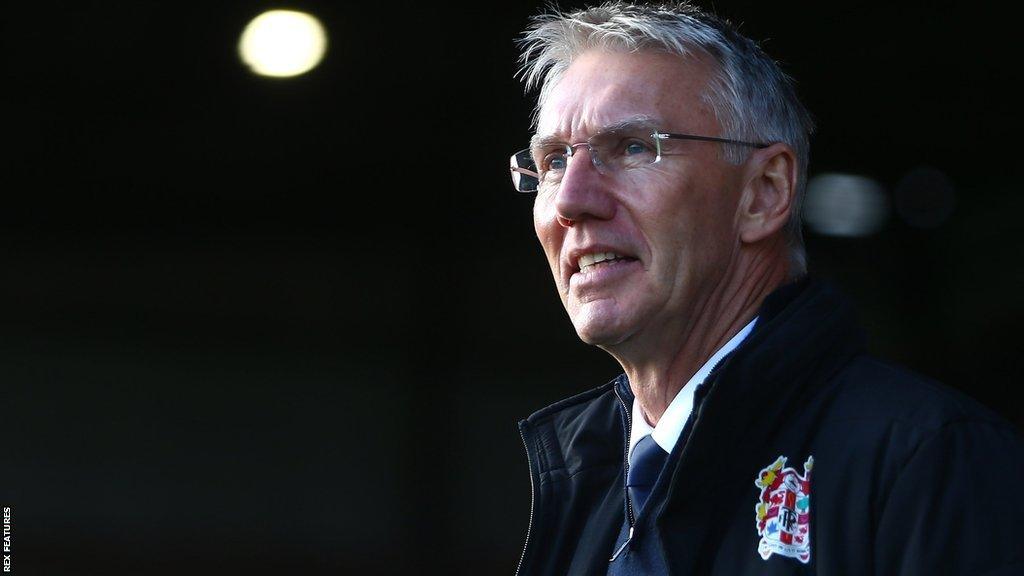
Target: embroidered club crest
784, 511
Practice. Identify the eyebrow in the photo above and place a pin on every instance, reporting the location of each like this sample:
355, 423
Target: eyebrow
632, 122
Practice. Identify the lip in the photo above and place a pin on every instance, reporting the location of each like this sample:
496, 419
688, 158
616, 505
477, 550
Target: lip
570, 264
605, 276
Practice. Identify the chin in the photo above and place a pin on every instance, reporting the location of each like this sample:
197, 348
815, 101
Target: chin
599, 334
599, 324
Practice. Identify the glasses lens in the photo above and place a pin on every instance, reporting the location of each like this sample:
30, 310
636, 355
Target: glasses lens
524, 171
610, 152
625, 149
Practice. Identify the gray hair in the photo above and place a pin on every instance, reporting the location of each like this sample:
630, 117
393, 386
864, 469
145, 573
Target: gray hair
751, 97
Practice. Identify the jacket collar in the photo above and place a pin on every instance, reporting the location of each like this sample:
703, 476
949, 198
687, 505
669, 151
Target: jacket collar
750, 389
809, 333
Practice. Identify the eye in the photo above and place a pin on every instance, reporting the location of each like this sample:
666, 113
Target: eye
555, 161
634, 147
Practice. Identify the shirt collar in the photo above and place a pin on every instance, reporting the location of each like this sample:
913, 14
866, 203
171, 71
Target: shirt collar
672, 422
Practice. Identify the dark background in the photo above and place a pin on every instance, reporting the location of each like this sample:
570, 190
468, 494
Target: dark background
253, 326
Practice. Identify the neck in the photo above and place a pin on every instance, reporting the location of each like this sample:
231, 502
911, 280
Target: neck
659, 366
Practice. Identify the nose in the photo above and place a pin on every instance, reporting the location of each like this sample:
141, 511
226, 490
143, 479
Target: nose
584, 192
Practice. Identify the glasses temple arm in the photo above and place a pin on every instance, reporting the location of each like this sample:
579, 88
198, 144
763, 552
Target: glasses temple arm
663, 135
524, 171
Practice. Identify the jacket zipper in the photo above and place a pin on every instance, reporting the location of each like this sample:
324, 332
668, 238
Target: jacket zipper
533, 501
629, 503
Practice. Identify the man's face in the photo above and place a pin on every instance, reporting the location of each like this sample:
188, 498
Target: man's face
674, 222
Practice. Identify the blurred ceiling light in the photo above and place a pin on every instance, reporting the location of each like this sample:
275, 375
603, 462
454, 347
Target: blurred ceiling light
845, 205
282, 43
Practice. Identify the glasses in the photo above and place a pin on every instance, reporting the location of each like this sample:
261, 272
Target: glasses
542, 166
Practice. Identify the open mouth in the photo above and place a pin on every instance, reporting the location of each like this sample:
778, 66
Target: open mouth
593, 262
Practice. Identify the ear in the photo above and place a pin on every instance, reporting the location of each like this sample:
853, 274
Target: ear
771, 180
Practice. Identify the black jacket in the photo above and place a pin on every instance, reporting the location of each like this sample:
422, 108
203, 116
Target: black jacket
909, 477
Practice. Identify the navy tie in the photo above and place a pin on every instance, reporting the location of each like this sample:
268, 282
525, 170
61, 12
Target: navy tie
644, 467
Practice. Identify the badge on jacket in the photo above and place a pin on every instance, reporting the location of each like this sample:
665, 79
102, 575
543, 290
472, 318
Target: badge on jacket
784, 511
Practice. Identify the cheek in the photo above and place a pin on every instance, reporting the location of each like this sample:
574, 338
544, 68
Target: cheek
548, 231
681, 224
664, 212
542, 221
540, 215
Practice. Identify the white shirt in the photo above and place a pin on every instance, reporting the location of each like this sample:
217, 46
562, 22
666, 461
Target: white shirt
672, 422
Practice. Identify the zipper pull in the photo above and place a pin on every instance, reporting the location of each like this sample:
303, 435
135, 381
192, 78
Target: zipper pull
624, 544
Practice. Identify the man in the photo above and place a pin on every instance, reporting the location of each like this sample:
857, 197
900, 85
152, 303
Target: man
750, 433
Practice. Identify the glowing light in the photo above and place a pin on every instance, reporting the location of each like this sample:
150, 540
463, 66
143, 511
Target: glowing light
282, 43
845, 205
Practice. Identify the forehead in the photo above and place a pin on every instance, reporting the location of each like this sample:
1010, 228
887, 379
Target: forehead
601, 88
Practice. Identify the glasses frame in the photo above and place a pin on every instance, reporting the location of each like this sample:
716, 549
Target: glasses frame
517, 171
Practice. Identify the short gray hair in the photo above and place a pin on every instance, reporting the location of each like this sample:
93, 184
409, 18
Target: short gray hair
751, 97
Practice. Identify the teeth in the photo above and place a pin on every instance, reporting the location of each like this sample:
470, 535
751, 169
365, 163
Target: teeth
591, 259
